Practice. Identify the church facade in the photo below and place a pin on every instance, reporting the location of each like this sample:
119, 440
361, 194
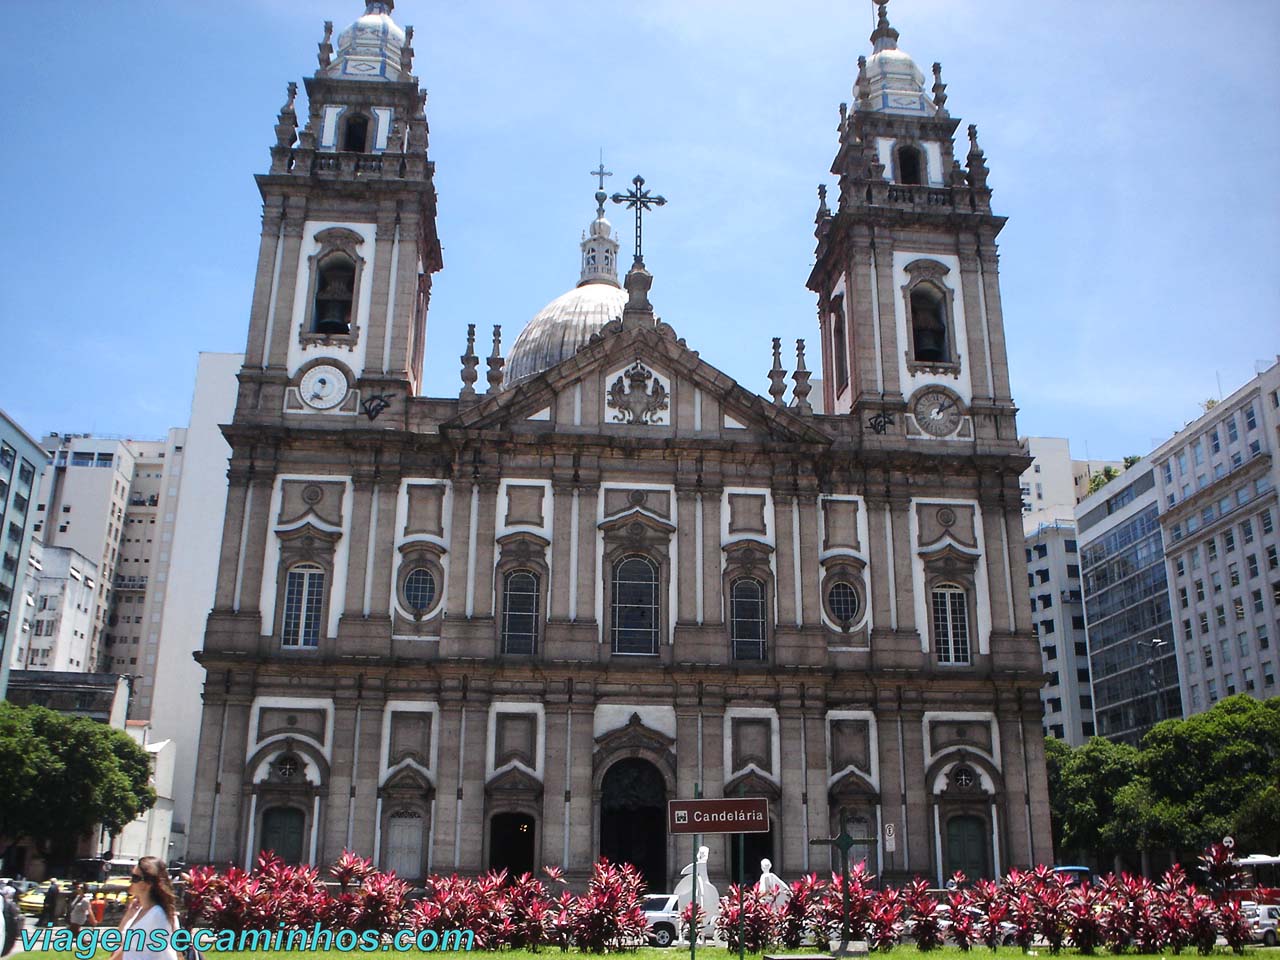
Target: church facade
504, 627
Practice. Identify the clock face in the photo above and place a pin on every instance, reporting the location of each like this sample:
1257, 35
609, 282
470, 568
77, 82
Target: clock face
938, 412
323, 387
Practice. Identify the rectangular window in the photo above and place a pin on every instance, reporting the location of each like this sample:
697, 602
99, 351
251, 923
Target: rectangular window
520, 603
1073, 571
1246, 676
1220, 615
1242, 640
1257, 601
1246, 531
1195, 696
1217, 581
951, 625
1214, 445
1225, 644
1082, 674
1211, 686
1268, 675
1070, 546
1219, 470
1188, 632
1195, 559
1197, 453
1046, 626
1264, 640
1077, 621
1050, 651
1046, 601
1232, 433
1233, 574
1211, 549
1251, 565
1042, 576
1180, 566
1082, 649
1250, 420
1272, 560
1167, 470
1182, 462
1229, 683
1267, 524
303, 604
1183, 600
1204, 625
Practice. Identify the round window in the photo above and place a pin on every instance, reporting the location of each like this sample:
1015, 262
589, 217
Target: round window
843, 601
420, 589
286, 767
963, 777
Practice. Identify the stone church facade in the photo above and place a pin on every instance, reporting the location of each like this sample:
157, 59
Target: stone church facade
505, 627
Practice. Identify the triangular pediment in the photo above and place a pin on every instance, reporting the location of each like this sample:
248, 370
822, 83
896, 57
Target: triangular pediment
637, 383
513, 781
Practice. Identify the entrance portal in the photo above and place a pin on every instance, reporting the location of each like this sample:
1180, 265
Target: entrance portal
282, 833
633, 819
967, 846
511, 843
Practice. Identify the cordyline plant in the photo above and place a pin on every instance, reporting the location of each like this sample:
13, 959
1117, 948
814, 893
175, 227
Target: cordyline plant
885, 919
1202, 923
861, 896
1170, 909
693, 920
1234, 926
1221, 867
801, 912
755, 919
925, 926
962, 914
1049, 890
1083, 918
609, 915
992, 911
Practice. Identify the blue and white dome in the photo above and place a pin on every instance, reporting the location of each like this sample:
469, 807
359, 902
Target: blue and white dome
370, 48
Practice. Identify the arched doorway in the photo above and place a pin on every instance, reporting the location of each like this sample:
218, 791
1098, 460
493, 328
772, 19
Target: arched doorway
756, 847
404, 837
967, 846
633, 819
511, 843
282, 829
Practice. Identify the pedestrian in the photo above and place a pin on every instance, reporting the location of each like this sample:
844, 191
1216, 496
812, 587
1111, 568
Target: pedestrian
49, 910
12, 917
152, 906
78, 913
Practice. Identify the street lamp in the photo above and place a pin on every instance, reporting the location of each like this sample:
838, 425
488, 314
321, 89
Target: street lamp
1152, 645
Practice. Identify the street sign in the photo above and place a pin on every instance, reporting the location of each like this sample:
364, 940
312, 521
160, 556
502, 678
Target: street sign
735, 815
890, 838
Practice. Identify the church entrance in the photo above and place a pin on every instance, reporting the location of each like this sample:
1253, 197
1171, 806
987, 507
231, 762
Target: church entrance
282, 829
633, 819
405, 832
757, 847
967, 846
511, 843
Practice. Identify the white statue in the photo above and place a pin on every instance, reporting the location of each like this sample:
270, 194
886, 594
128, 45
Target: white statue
771, 886
708, 896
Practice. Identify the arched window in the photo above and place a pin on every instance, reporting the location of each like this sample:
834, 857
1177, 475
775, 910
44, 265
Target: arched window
520, 612
951, 623
929, 325
839, 345
303, 605
635, 606
335, 290
746, 618
355, 134
910, 166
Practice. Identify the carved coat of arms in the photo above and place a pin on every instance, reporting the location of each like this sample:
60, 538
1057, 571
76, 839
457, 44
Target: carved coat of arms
637, 396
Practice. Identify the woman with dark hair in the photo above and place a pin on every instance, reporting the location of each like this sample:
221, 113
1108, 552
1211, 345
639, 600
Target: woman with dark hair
152, 906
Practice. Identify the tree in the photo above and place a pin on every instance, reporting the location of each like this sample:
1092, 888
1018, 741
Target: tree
1130, 460
1257, 822
1057, 755
1090, 781
1204, 770
1100, 479
64, 776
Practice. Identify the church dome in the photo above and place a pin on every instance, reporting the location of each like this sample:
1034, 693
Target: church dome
565, 324
894, 84
370, 48
562, 327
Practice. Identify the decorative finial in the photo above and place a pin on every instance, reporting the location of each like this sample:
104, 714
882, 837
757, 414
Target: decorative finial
777, 376
977, 162
800, 394
406, 53
287, 122
639, 311
824, 212
326, 48
469, 363
884, 36
495, 361
638, 199
939, 89
860, 84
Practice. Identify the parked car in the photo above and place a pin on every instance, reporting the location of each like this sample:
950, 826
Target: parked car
1263, 921
663, 918
32, 902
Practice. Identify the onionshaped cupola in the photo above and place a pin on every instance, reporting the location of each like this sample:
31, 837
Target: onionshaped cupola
565, 324
371, 48
890, 81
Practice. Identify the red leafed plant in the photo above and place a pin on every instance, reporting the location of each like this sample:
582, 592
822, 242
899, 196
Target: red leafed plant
801, 912
692, 917
450, 903
351, 869
1234, 926
1221, 867
963, 928
1049, 890
884, 922
755, 919
1083, 917
1170, 907
992, 911
530, 912
861, 896
925, 926
1202, 923
609, 914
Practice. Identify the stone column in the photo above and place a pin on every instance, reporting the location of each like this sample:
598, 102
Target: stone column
810, 570
260, 529
378, 257
558, 601
582, 809
263, 285
386, 491
785, 554
232, 527
888, 295
459, 549
975, 343
283, 328
362, 528
588, 575
484, 548
790, 841
712, 588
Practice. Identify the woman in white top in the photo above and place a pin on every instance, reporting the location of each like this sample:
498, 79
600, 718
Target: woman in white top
152, 906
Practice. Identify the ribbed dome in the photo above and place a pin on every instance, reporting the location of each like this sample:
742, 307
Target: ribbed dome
562, 327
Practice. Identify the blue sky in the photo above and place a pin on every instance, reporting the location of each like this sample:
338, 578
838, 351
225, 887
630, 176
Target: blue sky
1133, 146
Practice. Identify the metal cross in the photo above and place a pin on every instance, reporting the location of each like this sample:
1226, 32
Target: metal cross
600, 172
639, 200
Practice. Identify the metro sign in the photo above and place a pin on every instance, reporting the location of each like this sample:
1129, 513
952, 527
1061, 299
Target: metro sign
737, 815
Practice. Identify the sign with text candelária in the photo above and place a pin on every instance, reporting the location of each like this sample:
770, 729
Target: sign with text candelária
731, 815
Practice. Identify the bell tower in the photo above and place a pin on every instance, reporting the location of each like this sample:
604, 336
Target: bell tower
348, 237
906, 269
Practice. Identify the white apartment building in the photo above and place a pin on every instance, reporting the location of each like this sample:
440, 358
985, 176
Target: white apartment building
62, 585
148, 835
1216, 484
1051, 487
197, 538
